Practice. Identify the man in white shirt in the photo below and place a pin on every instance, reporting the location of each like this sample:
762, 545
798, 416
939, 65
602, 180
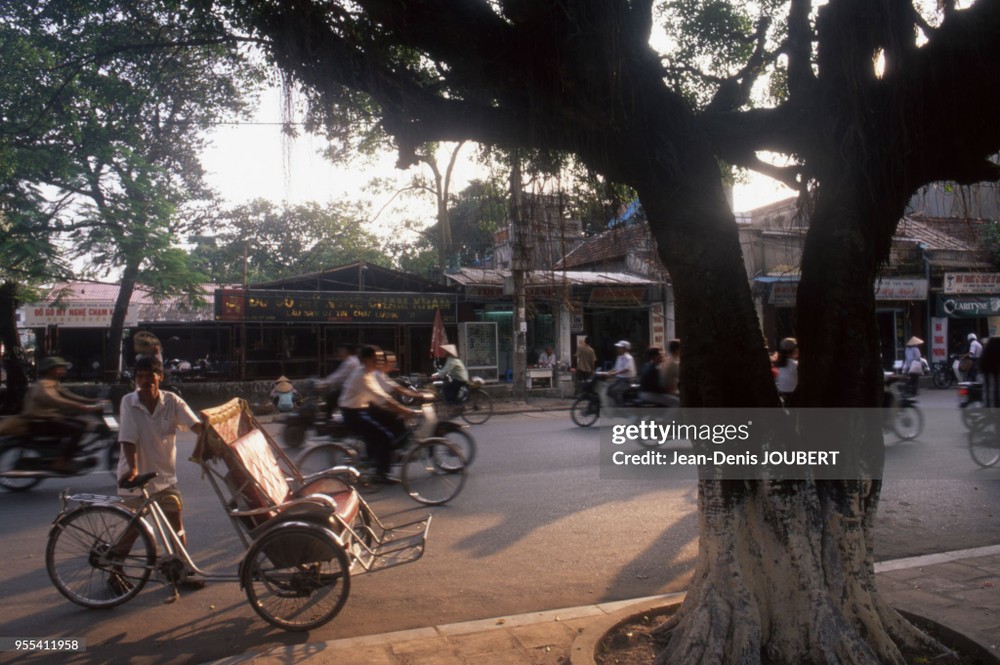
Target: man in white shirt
362, 391
623, 371
547, 358
334, 382
150, 418
975, 350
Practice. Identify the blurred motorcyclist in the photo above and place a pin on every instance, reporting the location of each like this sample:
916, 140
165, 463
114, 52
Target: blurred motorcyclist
52, 410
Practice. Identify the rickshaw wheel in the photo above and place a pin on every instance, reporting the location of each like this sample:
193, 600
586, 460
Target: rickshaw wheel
296, 576
80, 564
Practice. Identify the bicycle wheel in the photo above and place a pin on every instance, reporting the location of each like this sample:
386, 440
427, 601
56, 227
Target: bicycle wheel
478, 408
434, 472
326, 456
585, 411
984, 445
13, 458
296, 576
85, 558
464, 442
973, 415
943, 378
908, 422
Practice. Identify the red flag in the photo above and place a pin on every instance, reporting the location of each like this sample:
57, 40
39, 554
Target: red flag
438, 337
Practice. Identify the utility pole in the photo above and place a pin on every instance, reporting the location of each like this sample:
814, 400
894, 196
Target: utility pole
519, 261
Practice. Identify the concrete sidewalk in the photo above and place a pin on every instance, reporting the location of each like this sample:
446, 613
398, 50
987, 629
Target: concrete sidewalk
959, 590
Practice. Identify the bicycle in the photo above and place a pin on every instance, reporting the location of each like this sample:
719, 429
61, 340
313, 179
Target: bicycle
303, 544
474, 405
902, 415
433, 469
984, 440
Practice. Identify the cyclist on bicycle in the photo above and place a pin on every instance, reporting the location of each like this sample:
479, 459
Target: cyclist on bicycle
362, 394
454, 373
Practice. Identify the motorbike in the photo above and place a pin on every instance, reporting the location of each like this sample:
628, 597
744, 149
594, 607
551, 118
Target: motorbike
944, 373
970, 403
27, 459
586, 408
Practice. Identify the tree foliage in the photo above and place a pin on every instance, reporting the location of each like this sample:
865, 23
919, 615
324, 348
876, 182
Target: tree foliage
271, 242
113, 119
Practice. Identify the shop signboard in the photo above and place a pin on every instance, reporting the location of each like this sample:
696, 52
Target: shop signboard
901, 288
968, 307
889, 288
332, 307
612, 296
972, 282
939, 339
96, 314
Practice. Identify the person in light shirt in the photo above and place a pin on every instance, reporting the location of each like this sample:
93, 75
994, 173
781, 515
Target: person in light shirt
361, 393
623, 371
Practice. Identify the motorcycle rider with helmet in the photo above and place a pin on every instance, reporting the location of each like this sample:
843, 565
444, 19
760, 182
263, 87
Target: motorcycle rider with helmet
51, 409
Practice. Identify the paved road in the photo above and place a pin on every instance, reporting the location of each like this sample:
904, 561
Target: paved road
534, 529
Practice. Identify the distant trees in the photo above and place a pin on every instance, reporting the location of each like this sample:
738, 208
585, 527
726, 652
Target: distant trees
105, 107
261, 241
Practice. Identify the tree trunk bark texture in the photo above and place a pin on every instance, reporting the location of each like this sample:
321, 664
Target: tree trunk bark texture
785, 572
116, 330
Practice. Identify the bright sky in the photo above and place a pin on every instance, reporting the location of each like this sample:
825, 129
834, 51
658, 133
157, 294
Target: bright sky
248, 161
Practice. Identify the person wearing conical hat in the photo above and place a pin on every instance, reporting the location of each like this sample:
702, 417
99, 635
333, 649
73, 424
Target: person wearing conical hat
453, 372
913, 365
283, 394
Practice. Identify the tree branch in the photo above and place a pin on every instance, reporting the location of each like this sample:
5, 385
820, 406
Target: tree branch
798, 48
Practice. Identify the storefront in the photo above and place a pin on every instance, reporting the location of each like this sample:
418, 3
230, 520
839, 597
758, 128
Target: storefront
968, 303
901, 310
562, 305
296, 333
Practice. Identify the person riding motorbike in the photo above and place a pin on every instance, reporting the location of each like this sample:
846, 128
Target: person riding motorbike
52, 410
454, 372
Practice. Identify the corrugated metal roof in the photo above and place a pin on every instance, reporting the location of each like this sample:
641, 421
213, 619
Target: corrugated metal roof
495, 277
938, 234
610, 245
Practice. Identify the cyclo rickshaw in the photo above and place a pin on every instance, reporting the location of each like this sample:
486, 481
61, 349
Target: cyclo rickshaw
305, 536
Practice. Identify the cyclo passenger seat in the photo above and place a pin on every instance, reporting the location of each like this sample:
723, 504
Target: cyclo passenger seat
256, 479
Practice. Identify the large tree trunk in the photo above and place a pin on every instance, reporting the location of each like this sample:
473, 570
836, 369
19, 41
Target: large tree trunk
15, 361
785, 571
